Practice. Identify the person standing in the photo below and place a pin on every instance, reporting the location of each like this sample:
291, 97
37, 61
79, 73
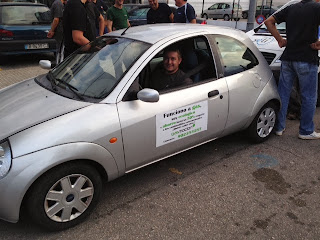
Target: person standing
96, 20
299, 60
185, 12
76, 26
56, 30
117, 17
159, 13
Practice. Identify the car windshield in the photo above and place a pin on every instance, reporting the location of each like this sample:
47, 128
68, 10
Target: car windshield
95, 69
25, 15
281, 28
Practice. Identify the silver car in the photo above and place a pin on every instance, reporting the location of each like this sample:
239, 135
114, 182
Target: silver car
95, 117
225, 11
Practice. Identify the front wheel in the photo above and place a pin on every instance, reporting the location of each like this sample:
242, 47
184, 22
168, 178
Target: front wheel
226, 17
261, 127
64, 196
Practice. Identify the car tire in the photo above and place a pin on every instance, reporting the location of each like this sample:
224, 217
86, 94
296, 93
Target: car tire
245, 15
56, 202
261, 127
205, 16
226, 17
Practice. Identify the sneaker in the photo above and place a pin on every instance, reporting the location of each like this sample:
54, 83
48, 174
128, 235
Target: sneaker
279, 133
311, 136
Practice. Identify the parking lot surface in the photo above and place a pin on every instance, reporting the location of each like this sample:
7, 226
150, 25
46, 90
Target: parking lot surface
225, 189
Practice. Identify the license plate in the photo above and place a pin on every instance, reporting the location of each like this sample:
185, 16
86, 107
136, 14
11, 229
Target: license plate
36, 46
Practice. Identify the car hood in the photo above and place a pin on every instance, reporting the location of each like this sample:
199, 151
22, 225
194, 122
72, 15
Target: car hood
266, 41
26, 104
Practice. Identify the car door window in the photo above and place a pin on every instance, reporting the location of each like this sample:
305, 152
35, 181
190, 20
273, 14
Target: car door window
197, 64
235, 56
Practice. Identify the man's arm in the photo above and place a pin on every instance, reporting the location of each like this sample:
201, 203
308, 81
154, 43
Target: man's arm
128, 23
109, 25
101, 25
271, 25
54, 25
171, 16
78, 38
193, 21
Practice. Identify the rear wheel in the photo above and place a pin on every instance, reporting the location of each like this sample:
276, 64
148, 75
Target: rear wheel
64, 196
245, 15
205, 16
226, 17
261, 127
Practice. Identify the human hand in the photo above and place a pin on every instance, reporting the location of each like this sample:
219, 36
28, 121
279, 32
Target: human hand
315, 45
50, 34
282, 43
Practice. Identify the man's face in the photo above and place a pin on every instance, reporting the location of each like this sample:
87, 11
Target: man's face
119, 2
171, 62
179, 3
154, 4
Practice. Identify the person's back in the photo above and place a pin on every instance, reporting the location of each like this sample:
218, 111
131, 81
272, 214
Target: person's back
75, 20
302, 21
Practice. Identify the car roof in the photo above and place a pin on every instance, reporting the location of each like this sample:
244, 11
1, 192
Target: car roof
152, 33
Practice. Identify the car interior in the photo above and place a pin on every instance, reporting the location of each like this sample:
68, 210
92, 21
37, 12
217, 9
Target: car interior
197, 64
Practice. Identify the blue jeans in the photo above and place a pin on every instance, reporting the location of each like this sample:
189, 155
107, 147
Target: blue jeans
307, 74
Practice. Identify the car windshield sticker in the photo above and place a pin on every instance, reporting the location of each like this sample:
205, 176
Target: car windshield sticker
180, 123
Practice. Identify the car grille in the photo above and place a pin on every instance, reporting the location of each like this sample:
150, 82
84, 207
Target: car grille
269, 56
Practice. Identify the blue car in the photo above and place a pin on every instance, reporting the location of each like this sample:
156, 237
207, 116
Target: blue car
24, 28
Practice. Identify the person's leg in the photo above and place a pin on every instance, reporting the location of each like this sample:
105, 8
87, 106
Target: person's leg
308, 82
287, 76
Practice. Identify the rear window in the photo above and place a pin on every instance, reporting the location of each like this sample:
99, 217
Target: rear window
25, 15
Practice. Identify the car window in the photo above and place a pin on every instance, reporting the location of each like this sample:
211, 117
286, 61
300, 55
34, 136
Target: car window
236, 57
95, 72
215, 6
25, 15
197, 64
138, 13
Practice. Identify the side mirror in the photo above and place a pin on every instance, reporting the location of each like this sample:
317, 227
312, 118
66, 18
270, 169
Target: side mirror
148, 95
46, 64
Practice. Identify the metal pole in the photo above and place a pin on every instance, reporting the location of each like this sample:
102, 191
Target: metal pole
202, 7
251, 14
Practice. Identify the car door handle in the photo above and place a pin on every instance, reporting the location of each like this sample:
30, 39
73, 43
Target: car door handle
213, 93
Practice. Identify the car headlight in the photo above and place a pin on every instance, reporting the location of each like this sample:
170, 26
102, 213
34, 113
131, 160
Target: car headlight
5, 159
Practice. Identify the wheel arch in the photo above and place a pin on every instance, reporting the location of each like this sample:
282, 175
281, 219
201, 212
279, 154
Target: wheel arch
97, 166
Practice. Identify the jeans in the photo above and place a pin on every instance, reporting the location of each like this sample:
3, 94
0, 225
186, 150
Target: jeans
307, 74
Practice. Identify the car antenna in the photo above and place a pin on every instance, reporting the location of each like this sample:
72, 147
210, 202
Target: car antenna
125, 30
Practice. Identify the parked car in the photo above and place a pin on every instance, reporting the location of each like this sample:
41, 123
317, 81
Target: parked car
224, 11
266, 11
24, 28
138, 14
95, 116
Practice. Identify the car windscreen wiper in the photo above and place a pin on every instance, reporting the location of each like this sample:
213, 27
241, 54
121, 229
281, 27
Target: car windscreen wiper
73, 89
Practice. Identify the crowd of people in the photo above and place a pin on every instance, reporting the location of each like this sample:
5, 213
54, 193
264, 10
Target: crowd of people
77, 22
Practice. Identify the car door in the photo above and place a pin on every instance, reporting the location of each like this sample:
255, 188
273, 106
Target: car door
182, 118
240, 73
212, 11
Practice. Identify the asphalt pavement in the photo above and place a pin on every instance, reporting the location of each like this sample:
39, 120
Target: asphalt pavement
225, 189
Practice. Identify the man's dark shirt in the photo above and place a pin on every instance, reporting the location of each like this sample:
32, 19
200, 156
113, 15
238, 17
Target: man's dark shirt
75, 18
302, 23
160, 80
102, 7
161, 15
93, 17
184, 14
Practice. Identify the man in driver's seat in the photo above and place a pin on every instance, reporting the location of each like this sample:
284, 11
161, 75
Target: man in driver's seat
170, 75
